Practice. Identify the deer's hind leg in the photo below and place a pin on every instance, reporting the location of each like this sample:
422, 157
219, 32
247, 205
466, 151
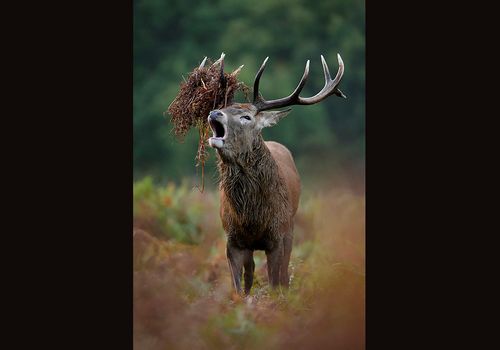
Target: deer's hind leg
287, 250
274, 262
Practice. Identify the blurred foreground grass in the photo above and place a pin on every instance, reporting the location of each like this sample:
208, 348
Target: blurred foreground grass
183, 297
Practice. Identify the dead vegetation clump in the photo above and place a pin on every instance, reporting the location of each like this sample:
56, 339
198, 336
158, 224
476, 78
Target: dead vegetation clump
206, 88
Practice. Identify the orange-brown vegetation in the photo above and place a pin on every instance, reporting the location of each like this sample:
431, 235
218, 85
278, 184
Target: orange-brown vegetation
183, 297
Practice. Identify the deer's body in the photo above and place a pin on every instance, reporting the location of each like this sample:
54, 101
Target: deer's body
259, 183
259, 196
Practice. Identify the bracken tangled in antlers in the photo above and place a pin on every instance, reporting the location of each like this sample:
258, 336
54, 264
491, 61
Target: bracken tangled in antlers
206, 88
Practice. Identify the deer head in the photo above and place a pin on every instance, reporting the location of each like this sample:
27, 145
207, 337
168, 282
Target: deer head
238, 127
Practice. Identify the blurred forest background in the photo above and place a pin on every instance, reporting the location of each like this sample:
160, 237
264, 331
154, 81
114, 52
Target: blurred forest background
172, 37
183, 297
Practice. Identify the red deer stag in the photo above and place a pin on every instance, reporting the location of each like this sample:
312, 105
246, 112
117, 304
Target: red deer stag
259, 184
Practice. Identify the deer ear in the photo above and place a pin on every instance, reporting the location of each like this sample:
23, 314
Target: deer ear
270, 118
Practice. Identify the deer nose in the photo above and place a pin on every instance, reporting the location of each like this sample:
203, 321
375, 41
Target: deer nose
214, 114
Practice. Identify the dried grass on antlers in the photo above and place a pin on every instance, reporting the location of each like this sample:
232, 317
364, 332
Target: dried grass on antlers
206, 88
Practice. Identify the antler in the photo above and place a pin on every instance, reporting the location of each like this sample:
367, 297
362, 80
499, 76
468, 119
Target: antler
330, 88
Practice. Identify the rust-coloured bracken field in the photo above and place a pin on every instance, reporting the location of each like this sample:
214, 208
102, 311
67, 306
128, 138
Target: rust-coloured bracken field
183, 297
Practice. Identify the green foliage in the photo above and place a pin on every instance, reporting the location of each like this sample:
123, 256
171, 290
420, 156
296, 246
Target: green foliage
170, 212
172, 37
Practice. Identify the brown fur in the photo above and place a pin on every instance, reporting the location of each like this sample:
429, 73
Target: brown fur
260, 189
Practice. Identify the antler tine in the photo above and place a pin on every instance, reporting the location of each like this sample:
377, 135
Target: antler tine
340, 72
222, 77
257, 80
222, 65
202, 64
237, 71
328, 77
337, 91
302, 82
221, 59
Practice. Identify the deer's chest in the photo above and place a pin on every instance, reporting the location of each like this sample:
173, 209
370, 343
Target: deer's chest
255, 227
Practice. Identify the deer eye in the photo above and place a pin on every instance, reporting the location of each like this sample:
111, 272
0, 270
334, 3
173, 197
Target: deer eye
245, 117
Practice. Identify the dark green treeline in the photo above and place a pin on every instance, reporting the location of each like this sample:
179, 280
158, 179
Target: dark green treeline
172, 37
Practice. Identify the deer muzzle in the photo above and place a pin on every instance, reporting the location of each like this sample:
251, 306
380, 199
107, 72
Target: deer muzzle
216, 120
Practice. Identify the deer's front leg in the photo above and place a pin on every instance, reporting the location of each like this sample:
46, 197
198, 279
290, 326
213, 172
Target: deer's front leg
235, 258
249, 270
274, 262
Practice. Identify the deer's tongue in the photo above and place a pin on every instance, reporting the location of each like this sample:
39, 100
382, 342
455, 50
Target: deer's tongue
215, 142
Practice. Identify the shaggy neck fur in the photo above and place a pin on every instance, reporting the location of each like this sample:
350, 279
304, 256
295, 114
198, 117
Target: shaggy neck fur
255, 191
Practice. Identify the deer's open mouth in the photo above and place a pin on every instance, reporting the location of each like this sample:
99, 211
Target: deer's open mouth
219, 133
